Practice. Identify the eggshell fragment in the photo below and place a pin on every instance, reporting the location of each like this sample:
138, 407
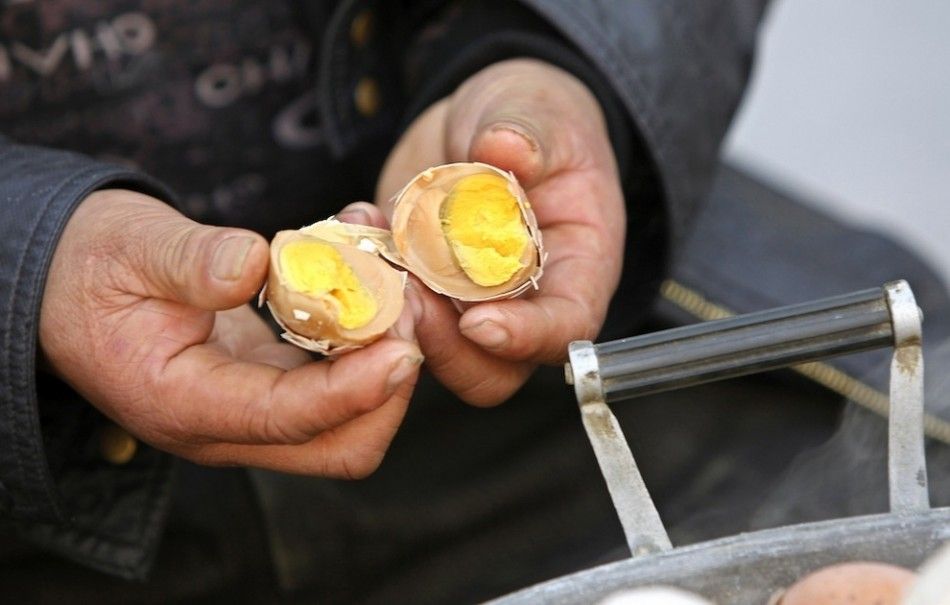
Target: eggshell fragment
422, 248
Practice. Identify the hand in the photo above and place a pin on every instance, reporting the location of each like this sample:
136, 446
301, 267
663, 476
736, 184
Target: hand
144, 315
545, 126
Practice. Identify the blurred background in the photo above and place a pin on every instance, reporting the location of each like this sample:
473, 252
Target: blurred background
849, 109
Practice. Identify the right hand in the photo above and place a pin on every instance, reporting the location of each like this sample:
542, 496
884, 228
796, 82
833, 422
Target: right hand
144, 315
547, 128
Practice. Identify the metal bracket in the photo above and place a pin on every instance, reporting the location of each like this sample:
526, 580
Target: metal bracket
906, 461
623, 369
641, 522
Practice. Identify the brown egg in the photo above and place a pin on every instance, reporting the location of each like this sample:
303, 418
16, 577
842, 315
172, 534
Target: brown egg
328, 288
853, 583
467, 231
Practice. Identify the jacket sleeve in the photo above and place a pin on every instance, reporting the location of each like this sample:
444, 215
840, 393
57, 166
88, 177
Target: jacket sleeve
678, 67
669, 76
55, 488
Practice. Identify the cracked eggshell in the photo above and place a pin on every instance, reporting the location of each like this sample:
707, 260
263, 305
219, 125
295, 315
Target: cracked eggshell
423, 249
310, 322
368, 239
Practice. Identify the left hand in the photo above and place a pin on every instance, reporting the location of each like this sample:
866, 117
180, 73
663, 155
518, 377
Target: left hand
143, 314
544, 125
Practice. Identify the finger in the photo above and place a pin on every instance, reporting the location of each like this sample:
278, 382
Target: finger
351, 451
571, 305
539, 329
473, 374
169, 256
204, 394
363, 213
280, 355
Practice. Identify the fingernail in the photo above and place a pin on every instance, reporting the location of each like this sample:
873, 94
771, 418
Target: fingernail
519, 130
488, 333
402, 370
405, 327
230, 256
354, 214
512, 143
414, 300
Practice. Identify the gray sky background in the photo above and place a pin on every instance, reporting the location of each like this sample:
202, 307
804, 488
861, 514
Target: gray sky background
850, 106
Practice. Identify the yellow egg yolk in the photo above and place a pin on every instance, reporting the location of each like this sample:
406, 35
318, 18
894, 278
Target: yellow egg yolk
317, 269
484, 226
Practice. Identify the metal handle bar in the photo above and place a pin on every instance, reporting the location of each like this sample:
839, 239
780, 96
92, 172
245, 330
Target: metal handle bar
741, 345
746, 344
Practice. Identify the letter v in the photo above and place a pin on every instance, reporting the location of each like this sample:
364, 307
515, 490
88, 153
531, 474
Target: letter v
43, 63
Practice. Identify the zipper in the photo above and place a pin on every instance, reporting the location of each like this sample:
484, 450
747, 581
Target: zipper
826, 375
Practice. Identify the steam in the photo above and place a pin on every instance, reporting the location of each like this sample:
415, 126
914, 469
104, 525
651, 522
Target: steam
847, 475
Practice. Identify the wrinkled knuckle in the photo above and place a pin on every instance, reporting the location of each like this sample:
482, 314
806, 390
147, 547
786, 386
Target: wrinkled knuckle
180, 252
210, 457
491, 389
359, 406
103, 263
272, 419
360, 465
271, 429
345, 399
336, 411
158, 412
170, 427
328, 413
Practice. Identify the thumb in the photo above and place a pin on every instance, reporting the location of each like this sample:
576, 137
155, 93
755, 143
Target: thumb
211, 268
512, 115
513, 143
502, 132
162, 254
